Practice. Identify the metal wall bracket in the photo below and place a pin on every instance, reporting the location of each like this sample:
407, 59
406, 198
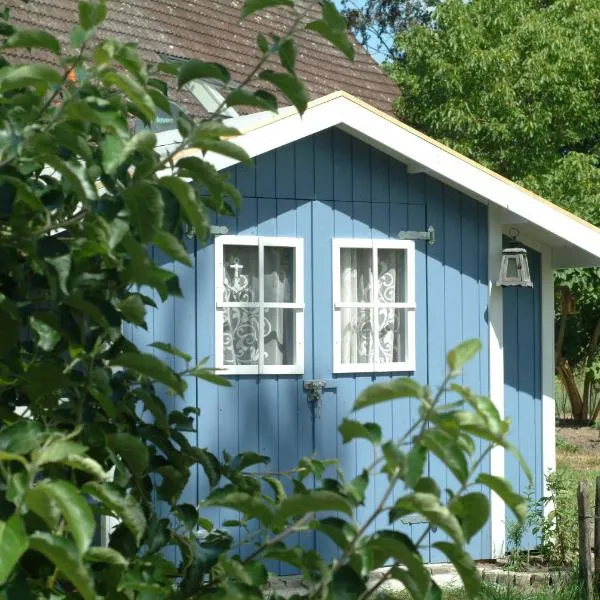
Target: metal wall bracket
428, 236
315, 388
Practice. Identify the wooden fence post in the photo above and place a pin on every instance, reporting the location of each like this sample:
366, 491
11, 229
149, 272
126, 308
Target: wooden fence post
585, 543
597, 534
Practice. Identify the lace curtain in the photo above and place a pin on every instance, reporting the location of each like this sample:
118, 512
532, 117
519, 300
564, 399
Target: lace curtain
375, 333
242, 324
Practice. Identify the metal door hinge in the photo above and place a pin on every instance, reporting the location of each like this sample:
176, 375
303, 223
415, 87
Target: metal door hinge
428, 236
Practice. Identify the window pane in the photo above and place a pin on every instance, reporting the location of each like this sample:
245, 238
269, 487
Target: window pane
240, 274
357, 336
280, 340
391, 335
279, 274
356, 275
391, 268
240, 336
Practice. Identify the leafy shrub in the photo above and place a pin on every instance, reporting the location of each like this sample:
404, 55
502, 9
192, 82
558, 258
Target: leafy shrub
84, 429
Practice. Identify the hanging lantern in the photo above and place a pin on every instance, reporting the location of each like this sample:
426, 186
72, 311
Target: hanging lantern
514, 268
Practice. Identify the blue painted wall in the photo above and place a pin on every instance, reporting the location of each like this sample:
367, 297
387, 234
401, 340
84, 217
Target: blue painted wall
523, 384
323, 186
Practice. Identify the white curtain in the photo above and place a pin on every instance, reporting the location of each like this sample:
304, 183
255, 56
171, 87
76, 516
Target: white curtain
368, 337
241, 325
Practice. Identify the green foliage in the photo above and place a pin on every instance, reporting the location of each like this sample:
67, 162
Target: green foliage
514, 85
84, 427
558, 530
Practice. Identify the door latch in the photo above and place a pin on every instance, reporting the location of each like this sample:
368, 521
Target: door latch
315, 388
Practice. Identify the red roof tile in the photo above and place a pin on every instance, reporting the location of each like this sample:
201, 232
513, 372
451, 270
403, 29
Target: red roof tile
211, 30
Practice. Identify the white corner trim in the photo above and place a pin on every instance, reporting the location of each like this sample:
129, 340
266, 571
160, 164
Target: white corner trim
409, 146
548, 404
496, 373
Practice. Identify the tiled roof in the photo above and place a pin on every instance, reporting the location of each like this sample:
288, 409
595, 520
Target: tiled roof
211, 31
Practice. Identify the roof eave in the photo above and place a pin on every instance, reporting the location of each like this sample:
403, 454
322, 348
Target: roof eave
564, 230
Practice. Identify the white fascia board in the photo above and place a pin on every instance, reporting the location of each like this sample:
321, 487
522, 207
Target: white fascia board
410, 147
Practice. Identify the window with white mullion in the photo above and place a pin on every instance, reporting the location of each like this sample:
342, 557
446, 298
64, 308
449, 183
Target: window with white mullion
373, 305
259, 316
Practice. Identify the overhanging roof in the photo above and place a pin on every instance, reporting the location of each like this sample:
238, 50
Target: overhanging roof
574, 242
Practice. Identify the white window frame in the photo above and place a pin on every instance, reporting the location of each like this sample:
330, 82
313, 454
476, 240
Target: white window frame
410, 305
260, 242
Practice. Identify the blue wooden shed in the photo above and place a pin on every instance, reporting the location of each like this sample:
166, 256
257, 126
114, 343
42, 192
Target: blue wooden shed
363, 251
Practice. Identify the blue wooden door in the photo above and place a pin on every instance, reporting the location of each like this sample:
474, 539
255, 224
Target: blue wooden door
358, 220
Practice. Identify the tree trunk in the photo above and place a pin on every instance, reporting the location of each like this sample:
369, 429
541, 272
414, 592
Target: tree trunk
587, 386
565, 373
568, 380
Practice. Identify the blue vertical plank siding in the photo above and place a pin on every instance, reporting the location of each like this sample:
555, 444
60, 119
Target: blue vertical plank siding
333, 185
522, 384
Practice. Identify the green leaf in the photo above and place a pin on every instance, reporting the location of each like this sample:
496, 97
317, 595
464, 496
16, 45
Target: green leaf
462, 354
99, 554
76, 511
262, 43
57, 451
388, 390
448, 450
210, 376
187, 200
134, 91
287, 55
259, 99
91, 14
134, 309
131, 449
33, 38
75, 174
47, 336
172, 247
311, 501
151, 367
21, 437
143, 141
170, 349
472, 511
251, 506
277, 487
43, 506
63, 554
415, 464
218, 146
37, 74
251, 6
124, 506
86, 464
429, 506
504, 489
13, 544
463, 563
146, 208
346, 584
351, 430
332, 27
290, 86
210, 464
44, 378
197, 69
399, 547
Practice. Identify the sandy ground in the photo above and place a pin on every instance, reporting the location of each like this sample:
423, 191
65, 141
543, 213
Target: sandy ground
587, 442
